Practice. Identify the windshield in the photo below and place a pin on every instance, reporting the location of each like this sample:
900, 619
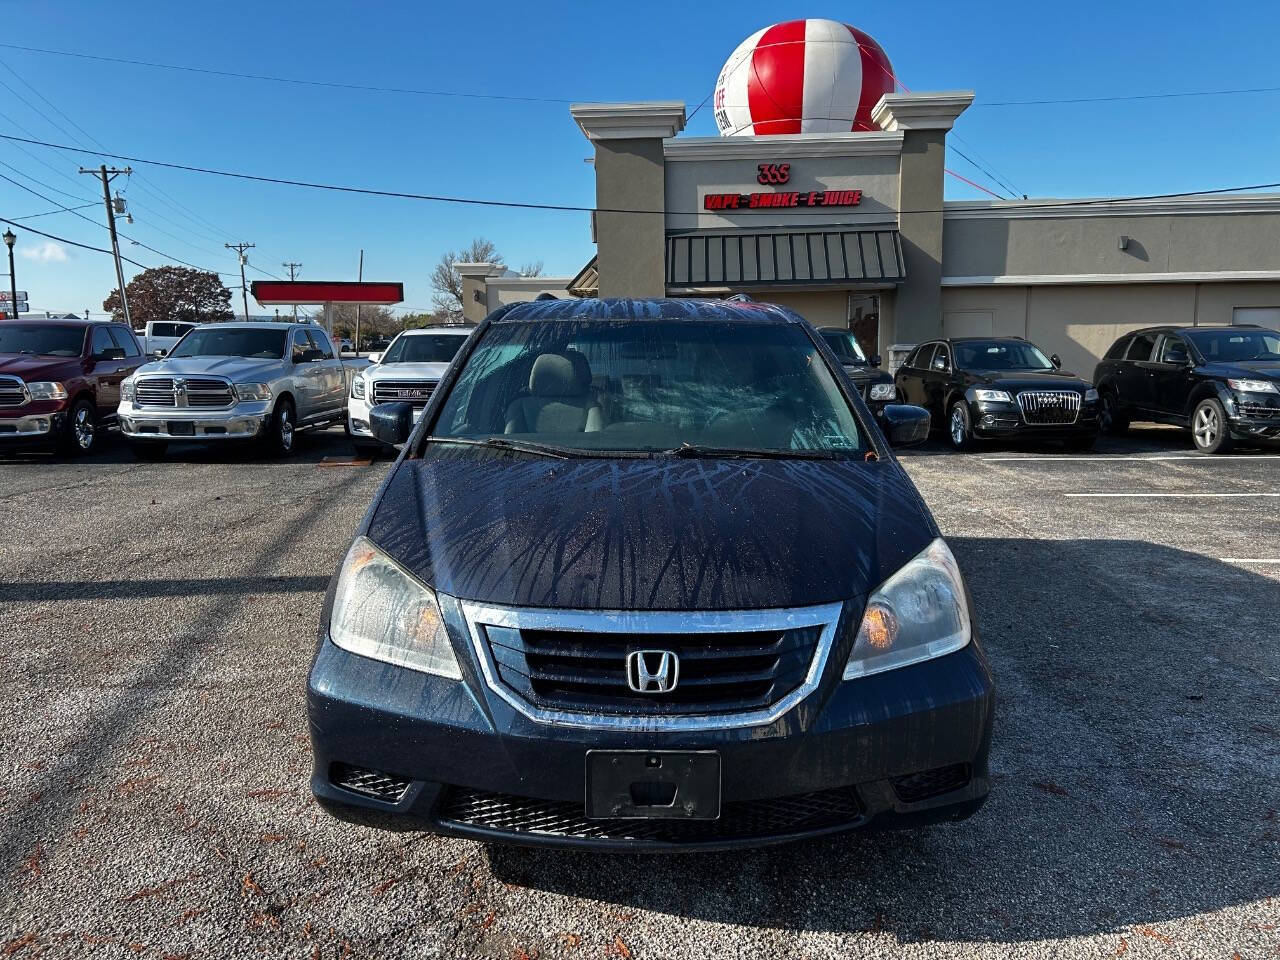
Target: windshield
424, 348
44, 341
999, 355
1234, 345
232, 342
844, 345
651, 385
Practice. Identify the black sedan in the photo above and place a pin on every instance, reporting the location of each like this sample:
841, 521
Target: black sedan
989, 388
875, 385
1222, 382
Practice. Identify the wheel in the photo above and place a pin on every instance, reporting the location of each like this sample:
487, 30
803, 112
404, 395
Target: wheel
1082, 444
958, 427
1110, 419
280, 431
155, 450
1209, 427
81, 436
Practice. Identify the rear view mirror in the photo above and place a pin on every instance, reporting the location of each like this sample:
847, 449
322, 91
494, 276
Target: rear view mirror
391, 422
904, 424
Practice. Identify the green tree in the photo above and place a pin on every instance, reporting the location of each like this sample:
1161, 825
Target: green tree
173, 293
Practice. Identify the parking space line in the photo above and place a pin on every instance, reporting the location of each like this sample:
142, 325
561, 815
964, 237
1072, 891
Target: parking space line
1102, 458
1172, 495
1248, 560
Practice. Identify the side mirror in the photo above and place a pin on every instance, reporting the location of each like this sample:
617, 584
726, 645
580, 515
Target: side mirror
1056, 360
159, 352
875, 361
375, 358
904, 424
391, 422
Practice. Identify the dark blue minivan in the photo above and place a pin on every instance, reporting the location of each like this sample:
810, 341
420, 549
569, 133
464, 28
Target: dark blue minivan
648, 575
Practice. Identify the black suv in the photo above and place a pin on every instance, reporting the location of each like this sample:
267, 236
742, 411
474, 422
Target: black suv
1222, 382
875, 385
993, 387
647, 574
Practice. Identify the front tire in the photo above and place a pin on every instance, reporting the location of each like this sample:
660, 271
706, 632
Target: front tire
959, 428
1209, 429
281, 431
81, 433
1110, 419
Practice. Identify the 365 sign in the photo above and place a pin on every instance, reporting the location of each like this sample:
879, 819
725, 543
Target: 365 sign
770, 173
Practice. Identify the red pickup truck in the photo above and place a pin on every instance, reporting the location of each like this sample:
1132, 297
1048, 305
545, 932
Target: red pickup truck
60, 381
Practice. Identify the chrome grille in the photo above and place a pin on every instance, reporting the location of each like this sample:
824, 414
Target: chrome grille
208, 392
155, 392
1254, 411
1049, 406
13, 392
571, 666
417, 392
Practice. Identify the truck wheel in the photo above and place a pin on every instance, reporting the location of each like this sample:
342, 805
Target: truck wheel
1209, 427
154, 450
280, 431
81, 432
958, 427
1110, 419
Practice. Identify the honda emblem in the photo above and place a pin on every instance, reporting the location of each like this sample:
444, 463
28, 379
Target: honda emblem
652, 671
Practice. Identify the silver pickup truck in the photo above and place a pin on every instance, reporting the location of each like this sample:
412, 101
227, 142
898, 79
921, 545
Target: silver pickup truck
229, 381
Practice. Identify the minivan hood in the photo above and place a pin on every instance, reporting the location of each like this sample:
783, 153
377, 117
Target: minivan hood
243, 369
649, 534
30, 367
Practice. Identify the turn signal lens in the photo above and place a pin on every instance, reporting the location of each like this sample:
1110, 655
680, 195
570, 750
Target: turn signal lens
879, 628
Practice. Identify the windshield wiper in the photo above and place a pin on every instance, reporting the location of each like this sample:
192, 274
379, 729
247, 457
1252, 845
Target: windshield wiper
506, 443
696, 450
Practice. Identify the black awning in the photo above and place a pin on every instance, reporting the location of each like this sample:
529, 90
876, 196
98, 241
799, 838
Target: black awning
780, 259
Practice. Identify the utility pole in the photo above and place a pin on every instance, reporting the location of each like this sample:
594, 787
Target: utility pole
107, 174
240, 248
293, 275
359, 277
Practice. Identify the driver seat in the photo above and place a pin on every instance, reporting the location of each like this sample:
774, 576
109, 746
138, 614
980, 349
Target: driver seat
560, 398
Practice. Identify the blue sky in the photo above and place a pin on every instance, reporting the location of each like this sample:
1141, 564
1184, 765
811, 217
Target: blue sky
533, 151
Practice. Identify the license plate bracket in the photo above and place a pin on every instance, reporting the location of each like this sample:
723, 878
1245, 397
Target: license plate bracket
181, 428
653, 784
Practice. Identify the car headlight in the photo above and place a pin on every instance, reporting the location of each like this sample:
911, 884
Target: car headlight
1253, 386
253, 391
1091, 395
999, 396
126, 389
380, 610
919, 613
46, 390
883, 391
357, 388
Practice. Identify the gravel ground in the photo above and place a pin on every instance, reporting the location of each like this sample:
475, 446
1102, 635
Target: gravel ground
157, 621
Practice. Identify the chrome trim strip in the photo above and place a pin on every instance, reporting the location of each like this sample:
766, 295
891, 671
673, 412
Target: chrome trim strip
826, 615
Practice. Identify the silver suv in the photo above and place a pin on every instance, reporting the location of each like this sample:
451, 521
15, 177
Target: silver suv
229, 381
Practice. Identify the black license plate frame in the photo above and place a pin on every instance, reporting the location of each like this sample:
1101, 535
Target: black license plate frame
628, 784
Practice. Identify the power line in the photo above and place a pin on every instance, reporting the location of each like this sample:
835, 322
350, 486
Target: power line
576, 208
297, 81
70, 243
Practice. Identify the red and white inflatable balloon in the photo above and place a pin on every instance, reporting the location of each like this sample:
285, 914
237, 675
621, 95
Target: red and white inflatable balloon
802, 76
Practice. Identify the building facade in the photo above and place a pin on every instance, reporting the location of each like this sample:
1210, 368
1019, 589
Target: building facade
851, 230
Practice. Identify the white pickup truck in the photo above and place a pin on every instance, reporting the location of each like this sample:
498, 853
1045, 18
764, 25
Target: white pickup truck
162, 335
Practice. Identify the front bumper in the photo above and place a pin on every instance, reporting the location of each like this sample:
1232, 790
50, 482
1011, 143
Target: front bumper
35, 429
244, 420
1257, 416
898, 748
996, 419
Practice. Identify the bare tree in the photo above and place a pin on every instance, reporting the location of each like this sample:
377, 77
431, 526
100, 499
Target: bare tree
531, 269
445, 280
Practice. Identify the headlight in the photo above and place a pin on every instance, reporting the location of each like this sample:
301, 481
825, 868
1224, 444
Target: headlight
253, 391
381, 611
46, 390
919, 613
1253, 386
126, 389
357, 388
1091, 395
883, 391
993, 395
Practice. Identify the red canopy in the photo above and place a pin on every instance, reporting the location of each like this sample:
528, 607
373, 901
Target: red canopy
289, 292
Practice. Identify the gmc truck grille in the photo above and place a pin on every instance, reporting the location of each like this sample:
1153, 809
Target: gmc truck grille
1049, 406
739, 820
203, 392
13, 392
417, 392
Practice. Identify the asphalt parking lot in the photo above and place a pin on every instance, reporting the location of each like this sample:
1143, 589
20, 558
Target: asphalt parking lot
157, 622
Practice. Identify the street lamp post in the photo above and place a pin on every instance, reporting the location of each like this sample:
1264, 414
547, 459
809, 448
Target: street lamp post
9, 241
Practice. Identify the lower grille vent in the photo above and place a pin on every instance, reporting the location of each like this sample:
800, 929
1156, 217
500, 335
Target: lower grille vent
739, 820
369, 783
916, 787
